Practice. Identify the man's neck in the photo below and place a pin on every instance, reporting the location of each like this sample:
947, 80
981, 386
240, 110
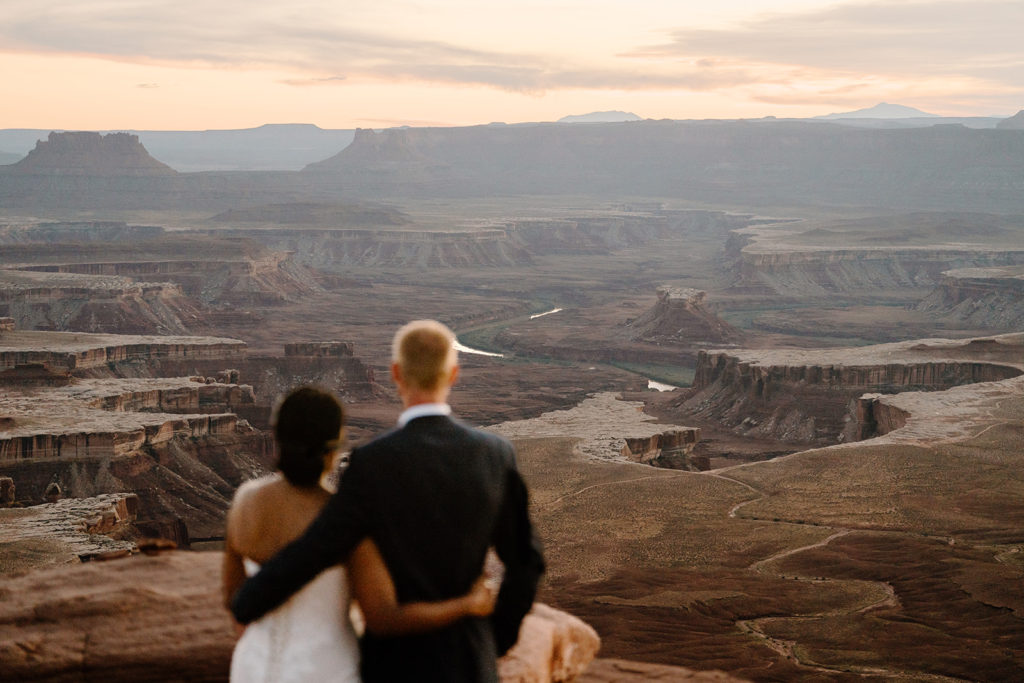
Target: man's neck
417, 398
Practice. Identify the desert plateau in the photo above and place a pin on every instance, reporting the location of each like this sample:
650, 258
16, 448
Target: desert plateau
765, 380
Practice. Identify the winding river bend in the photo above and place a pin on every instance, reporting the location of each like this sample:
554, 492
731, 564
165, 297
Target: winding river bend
462, 348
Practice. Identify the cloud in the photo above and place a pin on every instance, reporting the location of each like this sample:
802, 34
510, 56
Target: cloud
975, 43
979, 38
147, 86
232, 34
302, 82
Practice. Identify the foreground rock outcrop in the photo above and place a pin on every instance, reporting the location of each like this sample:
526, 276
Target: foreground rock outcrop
159, 618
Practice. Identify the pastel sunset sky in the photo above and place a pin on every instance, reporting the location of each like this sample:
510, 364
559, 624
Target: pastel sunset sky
205, 64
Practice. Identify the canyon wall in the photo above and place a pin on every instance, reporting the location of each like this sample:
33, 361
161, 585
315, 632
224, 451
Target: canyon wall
985, 298
889, 256
49, 301
823, 272
813, 396
268, 279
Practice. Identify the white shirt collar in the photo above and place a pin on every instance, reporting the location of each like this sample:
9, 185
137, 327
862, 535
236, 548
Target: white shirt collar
423, 410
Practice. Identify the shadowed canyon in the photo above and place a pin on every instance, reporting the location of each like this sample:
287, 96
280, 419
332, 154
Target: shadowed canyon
765, 380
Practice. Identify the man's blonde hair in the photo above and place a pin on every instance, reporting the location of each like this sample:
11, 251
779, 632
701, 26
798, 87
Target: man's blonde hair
425, 352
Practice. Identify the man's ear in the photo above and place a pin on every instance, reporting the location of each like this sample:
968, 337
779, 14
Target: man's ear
454, 375
396, 373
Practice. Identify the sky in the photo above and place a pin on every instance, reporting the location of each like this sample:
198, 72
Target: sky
222, 64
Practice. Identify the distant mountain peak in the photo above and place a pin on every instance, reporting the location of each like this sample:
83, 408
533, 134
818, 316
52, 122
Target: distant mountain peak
601, 117
882, 110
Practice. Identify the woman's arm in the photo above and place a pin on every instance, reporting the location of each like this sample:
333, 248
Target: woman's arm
375, 592
232, 570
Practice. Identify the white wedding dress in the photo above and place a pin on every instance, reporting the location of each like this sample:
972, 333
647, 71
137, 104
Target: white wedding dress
308, 638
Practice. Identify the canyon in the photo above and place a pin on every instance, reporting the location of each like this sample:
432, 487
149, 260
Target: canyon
825, 484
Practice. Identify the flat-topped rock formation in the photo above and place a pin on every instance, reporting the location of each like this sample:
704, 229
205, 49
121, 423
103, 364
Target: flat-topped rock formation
809, 395
94, 303
76, 352
68, 531
888, 257
796, 162
161, 617
91, 154
680, 316
988, 298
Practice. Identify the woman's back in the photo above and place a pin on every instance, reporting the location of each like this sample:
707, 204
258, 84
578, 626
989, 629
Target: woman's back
310, 636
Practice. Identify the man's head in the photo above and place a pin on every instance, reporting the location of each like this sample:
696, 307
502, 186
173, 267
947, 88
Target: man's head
424, 361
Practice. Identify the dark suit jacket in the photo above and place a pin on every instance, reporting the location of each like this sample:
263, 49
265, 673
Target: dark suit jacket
434, 495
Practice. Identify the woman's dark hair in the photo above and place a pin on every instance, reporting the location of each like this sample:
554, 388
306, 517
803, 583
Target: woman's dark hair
306, 428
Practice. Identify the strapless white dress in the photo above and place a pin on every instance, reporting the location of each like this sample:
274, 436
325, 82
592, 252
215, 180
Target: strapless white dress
309, 638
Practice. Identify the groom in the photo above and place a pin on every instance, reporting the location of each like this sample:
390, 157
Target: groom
434, 494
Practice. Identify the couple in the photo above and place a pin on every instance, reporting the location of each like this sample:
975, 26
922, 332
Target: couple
413, 517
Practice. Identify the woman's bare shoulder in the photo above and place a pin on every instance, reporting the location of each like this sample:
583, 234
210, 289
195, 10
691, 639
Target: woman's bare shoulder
249, 500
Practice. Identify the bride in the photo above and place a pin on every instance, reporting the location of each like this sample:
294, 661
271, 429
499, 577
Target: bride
311, 636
